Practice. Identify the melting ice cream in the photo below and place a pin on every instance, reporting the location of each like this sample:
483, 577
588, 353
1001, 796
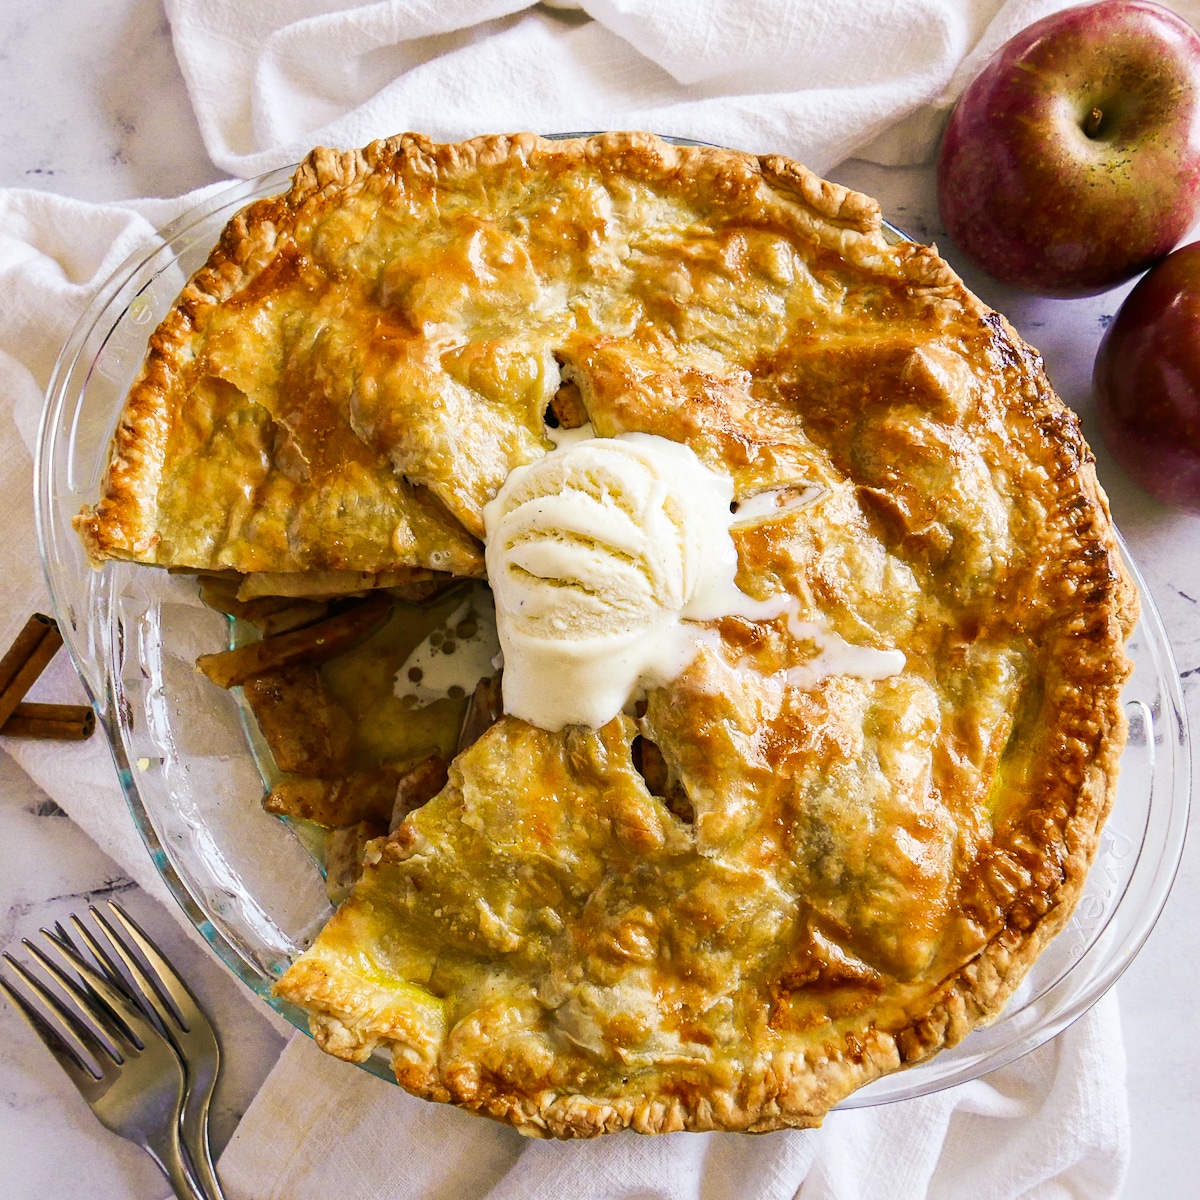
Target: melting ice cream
597, 554
594, 554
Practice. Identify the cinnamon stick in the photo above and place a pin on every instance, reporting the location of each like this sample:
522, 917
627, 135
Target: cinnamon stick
62, 722
27, 658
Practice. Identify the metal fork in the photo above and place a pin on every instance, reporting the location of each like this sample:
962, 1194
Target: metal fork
124, 1068
157, 989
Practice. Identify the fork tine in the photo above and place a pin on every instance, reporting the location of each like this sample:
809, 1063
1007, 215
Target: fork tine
123, 1010
105, 960
80, 1075
149, 994
60, 937
177, 991
85, 1038
117, 1031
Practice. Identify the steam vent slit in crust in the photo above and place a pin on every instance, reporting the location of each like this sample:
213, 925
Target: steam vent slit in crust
782, 874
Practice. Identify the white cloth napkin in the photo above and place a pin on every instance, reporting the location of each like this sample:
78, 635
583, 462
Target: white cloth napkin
818, 80
55, 253
1050, 1127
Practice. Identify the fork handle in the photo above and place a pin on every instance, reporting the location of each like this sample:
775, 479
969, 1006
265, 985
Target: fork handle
206, 1175
168, 1153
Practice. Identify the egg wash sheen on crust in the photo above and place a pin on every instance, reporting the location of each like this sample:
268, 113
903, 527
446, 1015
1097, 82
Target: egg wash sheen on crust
605, 558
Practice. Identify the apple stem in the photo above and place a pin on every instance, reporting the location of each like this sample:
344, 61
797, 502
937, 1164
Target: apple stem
1092, 125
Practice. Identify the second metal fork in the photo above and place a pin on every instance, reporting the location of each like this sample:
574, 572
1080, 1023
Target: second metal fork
123, 1067
132, 961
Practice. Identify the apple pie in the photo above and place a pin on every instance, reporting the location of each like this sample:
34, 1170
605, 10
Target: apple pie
833, 841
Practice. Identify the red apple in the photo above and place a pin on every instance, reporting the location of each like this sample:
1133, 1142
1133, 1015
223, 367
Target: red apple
1147, 381
1072, 161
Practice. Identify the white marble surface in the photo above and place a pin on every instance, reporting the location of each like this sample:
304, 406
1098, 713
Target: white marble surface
92, 106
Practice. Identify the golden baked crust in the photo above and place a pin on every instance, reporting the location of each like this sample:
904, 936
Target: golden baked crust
841, 875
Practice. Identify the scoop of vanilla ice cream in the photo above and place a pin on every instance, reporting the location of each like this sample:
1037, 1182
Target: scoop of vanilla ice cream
594, 553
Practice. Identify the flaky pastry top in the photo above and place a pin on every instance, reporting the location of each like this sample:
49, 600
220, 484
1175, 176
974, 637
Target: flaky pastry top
839, 875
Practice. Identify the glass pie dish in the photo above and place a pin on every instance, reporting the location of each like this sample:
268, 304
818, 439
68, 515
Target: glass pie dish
247, 881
